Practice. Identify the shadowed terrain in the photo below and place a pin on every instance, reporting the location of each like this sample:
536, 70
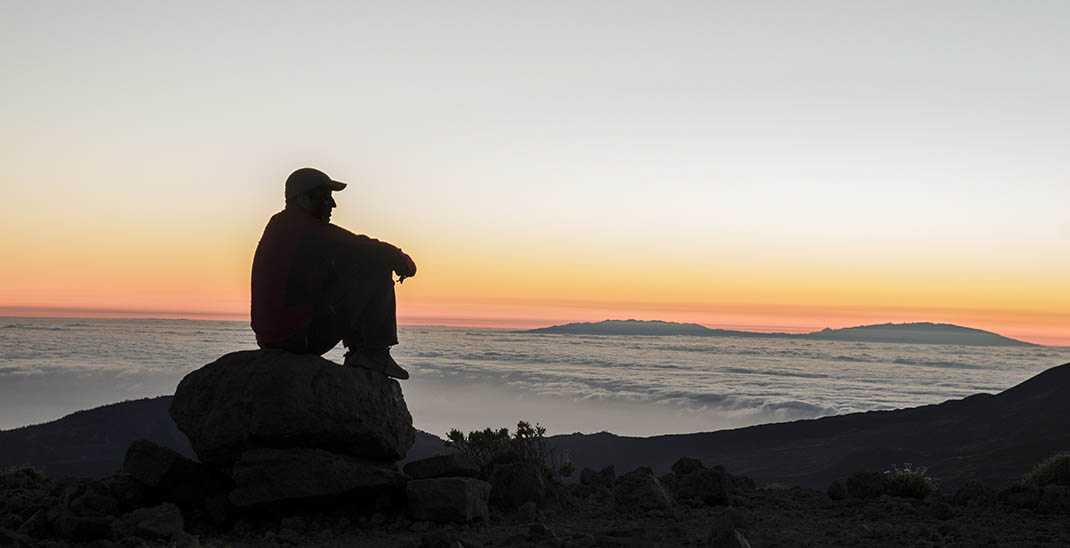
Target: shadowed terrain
992, 438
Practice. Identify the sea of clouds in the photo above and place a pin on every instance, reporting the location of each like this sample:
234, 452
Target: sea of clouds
472, 378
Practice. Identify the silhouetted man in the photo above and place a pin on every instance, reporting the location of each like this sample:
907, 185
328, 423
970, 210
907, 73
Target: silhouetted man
315, 283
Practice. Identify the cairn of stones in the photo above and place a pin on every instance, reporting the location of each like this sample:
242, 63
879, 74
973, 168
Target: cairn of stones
282, 434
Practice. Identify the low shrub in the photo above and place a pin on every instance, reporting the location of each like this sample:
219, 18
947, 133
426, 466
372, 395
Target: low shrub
1055, 470
909, 481
20, 476
490, 448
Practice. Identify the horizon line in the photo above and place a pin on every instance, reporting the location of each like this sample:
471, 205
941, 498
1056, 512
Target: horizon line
483, 323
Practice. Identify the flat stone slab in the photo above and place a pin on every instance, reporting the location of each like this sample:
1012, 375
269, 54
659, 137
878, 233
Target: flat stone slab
442, 466
272, 398
448, 499
264, 476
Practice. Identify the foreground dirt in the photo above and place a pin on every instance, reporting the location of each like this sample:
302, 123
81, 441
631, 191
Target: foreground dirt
765, 517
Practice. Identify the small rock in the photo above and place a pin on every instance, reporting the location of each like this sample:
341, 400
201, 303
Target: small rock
174, 477
1021, 496
158, 522
440, 539
448, 499
734, 539
685, 466
974, 493
711, 486
527, 512
865, 485
94, 504
183, 539
66, 525
297, 523
739, 517
1054, 499
603, 478
516, 483
941, 511
289, 535
10, 538
837, 490
670, 482
244, 526
11, 521
36, 525
442, 466
538, 531
640, 490
273, 475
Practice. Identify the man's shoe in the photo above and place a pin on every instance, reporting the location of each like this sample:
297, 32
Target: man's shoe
376, 360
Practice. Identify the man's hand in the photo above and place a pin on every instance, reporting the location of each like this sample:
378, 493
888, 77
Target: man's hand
405, 268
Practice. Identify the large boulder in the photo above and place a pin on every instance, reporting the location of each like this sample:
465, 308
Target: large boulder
272, 398
264, 476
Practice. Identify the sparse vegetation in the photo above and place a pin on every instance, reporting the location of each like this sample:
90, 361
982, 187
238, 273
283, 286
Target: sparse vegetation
20, 476
909, 481
1055, 470
490, 448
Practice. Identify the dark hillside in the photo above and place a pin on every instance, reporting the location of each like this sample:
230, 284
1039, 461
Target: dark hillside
995, 439
92, 442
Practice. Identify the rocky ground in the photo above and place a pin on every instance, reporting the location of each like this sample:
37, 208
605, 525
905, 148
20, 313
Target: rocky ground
764, 517
609, 513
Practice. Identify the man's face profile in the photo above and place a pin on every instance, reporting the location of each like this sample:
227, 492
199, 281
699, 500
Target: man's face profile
320, 203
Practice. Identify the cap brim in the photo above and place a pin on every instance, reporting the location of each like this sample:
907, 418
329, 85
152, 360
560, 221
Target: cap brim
335, 185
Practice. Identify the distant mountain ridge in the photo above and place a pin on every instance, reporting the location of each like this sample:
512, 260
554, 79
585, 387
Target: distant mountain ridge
913, 333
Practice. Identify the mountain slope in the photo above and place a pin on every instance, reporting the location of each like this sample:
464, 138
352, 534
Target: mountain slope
93, 442
992, 438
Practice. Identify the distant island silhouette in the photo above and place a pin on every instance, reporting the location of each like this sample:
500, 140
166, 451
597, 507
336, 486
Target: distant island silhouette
911, 333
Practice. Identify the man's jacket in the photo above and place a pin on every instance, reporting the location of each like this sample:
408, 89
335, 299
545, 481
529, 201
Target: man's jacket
297, 257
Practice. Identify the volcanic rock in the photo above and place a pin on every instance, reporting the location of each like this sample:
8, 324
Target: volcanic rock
442, 466
602, 479
865, 485
686, 465
173, 477
711, 486
158, 522
974, 493
448, 499
640, 490
276, 475
272, 398
516, 483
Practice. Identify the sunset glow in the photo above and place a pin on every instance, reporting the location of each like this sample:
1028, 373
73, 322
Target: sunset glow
681, 168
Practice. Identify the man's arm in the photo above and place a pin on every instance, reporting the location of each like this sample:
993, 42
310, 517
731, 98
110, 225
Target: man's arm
380, 251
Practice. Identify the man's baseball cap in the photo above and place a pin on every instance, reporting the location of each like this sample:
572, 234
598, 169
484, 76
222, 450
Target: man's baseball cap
306, 179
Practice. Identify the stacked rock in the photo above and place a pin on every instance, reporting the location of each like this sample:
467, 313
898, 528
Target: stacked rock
294, 429
445, 488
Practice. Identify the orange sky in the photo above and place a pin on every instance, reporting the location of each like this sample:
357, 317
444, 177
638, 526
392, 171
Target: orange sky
706, 163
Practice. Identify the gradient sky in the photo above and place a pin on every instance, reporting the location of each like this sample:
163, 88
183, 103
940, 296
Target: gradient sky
766, 165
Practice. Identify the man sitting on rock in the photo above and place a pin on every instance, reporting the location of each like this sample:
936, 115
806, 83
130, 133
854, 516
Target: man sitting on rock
315, 283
